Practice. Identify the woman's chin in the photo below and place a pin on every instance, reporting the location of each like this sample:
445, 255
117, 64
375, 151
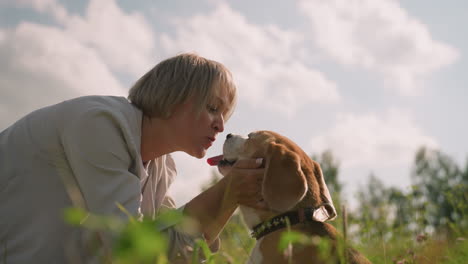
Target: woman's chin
197, 154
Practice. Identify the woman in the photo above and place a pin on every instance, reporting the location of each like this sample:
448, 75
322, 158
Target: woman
96, 151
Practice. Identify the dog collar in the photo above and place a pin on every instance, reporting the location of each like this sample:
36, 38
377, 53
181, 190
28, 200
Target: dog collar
280, 221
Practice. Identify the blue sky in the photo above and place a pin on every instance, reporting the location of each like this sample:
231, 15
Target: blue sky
372, 80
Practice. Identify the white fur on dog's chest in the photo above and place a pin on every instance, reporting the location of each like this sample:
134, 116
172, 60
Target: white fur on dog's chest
251, 218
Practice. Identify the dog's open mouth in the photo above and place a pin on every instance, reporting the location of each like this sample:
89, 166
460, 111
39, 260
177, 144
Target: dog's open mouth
220, 161
225, 162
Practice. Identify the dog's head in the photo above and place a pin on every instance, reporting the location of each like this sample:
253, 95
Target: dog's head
292, 179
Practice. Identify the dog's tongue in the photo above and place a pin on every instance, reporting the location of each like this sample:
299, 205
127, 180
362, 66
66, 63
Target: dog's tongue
213, 161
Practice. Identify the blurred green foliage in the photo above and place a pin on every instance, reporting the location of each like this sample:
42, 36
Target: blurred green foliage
426, 223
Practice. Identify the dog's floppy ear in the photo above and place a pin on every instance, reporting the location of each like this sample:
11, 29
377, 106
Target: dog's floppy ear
284, 183
326, 210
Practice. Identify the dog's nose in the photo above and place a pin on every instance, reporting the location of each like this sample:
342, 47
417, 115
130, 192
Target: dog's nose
229, 136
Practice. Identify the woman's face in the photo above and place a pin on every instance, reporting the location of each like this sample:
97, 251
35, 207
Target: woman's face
197, 132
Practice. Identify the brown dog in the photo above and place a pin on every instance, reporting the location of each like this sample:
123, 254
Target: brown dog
294, 188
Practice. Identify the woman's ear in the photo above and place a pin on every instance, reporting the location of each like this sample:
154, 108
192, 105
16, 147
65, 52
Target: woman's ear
284, 183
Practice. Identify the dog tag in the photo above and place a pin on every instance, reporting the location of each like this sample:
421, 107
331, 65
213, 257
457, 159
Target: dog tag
213, 161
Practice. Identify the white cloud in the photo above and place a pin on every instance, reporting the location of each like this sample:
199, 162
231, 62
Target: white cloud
45, 64
378, 35
265, 60
288, 87
373, 141
42, 65
124, 41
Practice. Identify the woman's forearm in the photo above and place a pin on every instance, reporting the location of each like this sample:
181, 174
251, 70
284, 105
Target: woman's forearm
213, 208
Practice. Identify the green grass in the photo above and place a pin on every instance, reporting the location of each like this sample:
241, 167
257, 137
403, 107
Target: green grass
139, 242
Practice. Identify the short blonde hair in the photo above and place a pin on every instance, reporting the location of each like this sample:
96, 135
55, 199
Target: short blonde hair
174, 80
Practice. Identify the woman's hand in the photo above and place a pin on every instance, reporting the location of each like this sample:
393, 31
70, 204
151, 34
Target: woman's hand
244, 182
241, 184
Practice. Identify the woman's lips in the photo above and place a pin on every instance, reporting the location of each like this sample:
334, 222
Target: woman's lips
209, 142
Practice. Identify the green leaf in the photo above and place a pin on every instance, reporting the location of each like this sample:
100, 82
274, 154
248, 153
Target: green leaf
292, 237
75, 216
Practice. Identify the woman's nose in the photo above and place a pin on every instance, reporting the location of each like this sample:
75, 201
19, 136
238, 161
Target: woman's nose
219, 125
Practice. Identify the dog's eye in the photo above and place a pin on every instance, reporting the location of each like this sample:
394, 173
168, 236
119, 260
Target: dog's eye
249, 135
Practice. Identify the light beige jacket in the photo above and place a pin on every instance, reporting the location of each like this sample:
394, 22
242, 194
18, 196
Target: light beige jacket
91, 145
